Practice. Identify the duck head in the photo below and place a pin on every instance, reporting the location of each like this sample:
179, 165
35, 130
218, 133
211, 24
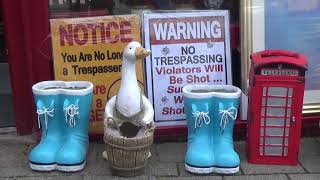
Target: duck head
134, 51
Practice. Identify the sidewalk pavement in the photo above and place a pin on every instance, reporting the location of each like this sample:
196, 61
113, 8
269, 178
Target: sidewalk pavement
167, 162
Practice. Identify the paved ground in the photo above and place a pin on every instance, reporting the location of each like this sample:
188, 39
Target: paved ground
166, 163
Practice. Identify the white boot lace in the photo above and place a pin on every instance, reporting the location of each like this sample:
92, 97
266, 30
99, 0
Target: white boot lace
200, 118
46, 112
231, 112
71, 111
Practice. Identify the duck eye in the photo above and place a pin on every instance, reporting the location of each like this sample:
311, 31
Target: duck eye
130, 48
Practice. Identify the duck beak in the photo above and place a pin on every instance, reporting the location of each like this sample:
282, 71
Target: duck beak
141, 53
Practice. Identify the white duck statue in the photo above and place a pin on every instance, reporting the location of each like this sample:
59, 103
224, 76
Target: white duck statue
130, 105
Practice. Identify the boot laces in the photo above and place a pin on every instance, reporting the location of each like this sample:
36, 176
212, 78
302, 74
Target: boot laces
200, 118
46, 112
71, 111
231, 112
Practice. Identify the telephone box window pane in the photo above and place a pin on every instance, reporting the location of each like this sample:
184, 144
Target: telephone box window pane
274, 131
262, 121
288, 122
290, 92
277, 91
287, 131
286, 141
262, 111
276, 112
288, 112
289, 102
263, 101
273, 151
274, 141
277, 102
261, 141
261, 150
261, 132
285, 153
264, 91
275, 122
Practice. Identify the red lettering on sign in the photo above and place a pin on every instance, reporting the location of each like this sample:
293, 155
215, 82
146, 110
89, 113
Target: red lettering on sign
97, 115
88, 33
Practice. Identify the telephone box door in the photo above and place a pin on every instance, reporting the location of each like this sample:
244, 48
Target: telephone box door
279, 124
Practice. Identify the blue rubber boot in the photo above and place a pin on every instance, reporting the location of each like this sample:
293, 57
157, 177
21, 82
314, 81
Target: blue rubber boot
76, 106
226, 101
42, 157
198, 107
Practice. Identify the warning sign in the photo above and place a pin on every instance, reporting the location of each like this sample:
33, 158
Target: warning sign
91, 49
187, 48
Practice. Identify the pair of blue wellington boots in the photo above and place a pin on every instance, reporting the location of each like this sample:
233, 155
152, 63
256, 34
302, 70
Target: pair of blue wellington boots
211, 112
63, 110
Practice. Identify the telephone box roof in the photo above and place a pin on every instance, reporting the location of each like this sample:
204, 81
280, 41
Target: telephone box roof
266, 57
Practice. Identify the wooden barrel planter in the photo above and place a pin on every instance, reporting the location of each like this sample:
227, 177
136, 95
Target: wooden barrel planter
127, 156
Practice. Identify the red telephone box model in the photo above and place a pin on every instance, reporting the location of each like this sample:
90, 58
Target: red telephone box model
276, 89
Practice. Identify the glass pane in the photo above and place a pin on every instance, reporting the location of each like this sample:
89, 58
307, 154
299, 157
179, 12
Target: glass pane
277, 102
288, 112
279, 112
286, 141
290, 92
261, 140
277, 91
274, 131
273, 151
285, 153
261, 132
261, 150
274, 141
289, 102
288, 122
262, 121
275, 122
264, 91
287, 131
263, 101
262, 111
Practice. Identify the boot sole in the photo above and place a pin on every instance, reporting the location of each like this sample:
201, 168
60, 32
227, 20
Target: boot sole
71, 168
208, 170
220, 170
42, 167
199, 170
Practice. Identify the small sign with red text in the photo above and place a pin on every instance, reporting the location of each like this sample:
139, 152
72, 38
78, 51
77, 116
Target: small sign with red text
187, 48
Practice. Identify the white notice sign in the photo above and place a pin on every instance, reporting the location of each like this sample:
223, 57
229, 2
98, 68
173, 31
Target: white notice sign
187, 48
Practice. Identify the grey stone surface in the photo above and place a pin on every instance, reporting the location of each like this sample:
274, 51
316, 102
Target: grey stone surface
161, 169
304, 176
138, 178
93, 177
269, 169
73, 177
96, 165
310, 163
19, 171
167, 162
309, 147
171, 152
191, 178
257, 177
154, 154
240, 148
13, 138
12, 154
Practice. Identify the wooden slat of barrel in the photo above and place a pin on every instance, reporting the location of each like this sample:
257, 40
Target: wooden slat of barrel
126, 156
